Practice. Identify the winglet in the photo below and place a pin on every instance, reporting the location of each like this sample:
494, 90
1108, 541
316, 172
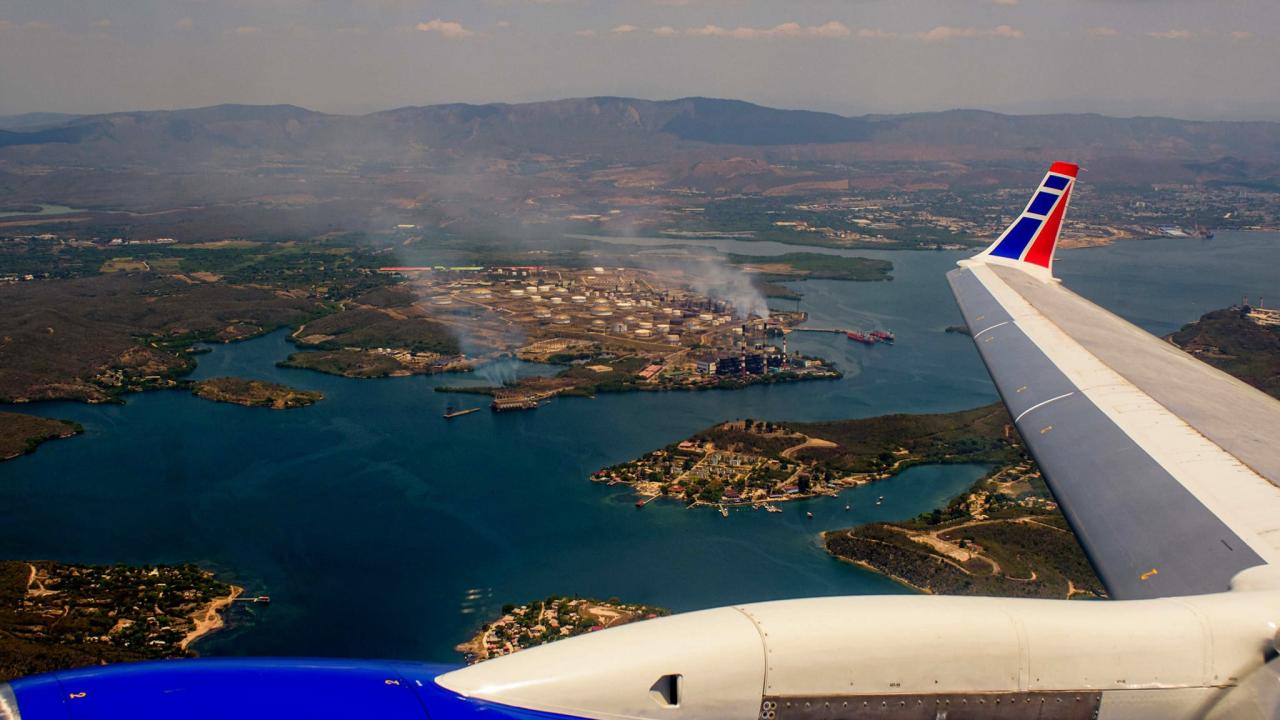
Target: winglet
1030, 239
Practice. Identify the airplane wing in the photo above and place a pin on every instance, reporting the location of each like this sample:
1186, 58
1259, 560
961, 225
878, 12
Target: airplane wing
1167, 469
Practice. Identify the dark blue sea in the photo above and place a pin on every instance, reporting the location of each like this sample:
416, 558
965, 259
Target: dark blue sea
381, 530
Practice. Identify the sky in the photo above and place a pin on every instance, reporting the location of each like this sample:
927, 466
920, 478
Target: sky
1200, 59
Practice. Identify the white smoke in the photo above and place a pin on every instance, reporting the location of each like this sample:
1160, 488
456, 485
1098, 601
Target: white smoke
711, 276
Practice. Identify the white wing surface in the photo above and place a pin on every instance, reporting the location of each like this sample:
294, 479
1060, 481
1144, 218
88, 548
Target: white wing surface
1167, 469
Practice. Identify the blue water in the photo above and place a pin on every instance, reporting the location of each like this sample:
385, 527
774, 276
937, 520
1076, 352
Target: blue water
381, 530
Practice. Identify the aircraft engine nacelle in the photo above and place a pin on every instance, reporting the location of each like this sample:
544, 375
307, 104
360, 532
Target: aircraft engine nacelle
891, 657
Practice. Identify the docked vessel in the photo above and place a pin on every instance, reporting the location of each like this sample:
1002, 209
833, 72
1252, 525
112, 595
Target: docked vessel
859, 336
883, 336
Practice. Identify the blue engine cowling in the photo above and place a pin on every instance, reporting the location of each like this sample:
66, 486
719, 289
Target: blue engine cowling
248, 689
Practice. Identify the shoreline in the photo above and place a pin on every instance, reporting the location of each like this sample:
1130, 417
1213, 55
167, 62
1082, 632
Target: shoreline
209, 619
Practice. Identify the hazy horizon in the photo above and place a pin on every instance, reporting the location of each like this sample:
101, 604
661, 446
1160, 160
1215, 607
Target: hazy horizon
359, 113
1172, 58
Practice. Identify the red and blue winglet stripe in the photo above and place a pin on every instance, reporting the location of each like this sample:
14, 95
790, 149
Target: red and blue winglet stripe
1032, 237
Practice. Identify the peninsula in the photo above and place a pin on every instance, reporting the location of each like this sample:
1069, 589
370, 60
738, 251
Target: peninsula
254, 393
21, 433
1241, 340
544, 621
55, 616
1004, 537
622, 329
760, 462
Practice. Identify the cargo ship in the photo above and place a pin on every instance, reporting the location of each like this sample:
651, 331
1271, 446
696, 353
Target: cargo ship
859, 336
883, 336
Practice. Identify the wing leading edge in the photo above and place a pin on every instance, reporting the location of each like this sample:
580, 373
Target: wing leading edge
1161, 463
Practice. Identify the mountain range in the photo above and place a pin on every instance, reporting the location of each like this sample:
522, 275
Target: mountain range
615, 129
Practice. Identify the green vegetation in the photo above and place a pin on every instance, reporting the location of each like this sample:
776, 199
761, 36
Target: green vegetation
95, 338
368, 328
347, 363
55, 616
816, 266
21, 433
254, 393
1233, 342
876, 444
1033, 555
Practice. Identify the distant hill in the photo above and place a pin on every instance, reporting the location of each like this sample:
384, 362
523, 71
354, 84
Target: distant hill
32, 120
620, 128
285, 169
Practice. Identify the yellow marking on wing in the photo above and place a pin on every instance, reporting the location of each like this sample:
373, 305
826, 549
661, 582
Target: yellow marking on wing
1024, 387
1045, 429
1148, 574
76, 696
391, 682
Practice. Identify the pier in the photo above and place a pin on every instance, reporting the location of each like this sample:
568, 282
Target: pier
837, 331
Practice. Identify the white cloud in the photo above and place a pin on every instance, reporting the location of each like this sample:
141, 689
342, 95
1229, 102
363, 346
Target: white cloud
665, 31
445, 28
248, 30
103, 24
585, 33
947, 32
1241, 35
1103, 31
38, 25
504, 24
623, 29
1171, 34
832, 29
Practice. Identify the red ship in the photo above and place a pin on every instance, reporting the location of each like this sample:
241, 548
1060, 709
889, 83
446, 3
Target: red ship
883, 336
859, 336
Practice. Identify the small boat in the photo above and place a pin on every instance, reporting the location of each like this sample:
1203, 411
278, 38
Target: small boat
262, 600
846, 508
809, 515
451, 413
724, 511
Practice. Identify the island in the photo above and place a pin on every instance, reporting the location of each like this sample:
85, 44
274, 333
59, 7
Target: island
760, 463
254, 393
1241, 340
548, 620
55, 616
1005, 537
21, 433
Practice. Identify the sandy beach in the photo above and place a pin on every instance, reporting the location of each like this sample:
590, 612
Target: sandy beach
209, 618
